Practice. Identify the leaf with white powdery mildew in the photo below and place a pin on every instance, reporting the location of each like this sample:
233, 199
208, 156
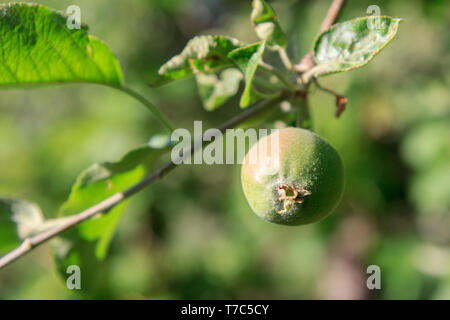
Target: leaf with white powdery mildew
247, 60
266, 25
215, 90
206, 54
352, 44
38, 48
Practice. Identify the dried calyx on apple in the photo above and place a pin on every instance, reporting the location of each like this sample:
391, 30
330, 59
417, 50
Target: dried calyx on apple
296, 179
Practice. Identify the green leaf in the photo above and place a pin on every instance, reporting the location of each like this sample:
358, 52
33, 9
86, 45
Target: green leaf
247, 60
87, 244
18, 220
352, 44
215, 90
202, 54
38, 48
265, 23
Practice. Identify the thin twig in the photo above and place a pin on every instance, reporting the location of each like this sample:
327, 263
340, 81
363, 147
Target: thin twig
325, 89
333, 13
341, 100
107, 204
285, 59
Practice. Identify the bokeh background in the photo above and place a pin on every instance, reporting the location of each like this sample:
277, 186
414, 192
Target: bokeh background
193, 235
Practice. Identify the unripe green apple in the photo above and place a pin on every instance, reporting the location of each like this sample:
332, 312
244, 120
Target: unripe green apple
298, 181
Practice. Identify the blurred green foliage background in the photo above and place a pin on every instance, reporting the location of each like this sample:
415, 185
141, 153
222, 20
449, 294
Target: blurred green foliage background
193, 235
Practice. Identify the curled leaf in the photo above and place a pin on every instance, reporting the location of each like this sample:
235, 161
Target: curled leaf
202, 54
215, 90
266, 25
247, 60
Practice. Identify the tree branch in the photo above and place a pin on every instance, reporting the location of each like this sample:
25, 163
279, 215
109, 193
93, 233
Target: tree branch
107, 204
